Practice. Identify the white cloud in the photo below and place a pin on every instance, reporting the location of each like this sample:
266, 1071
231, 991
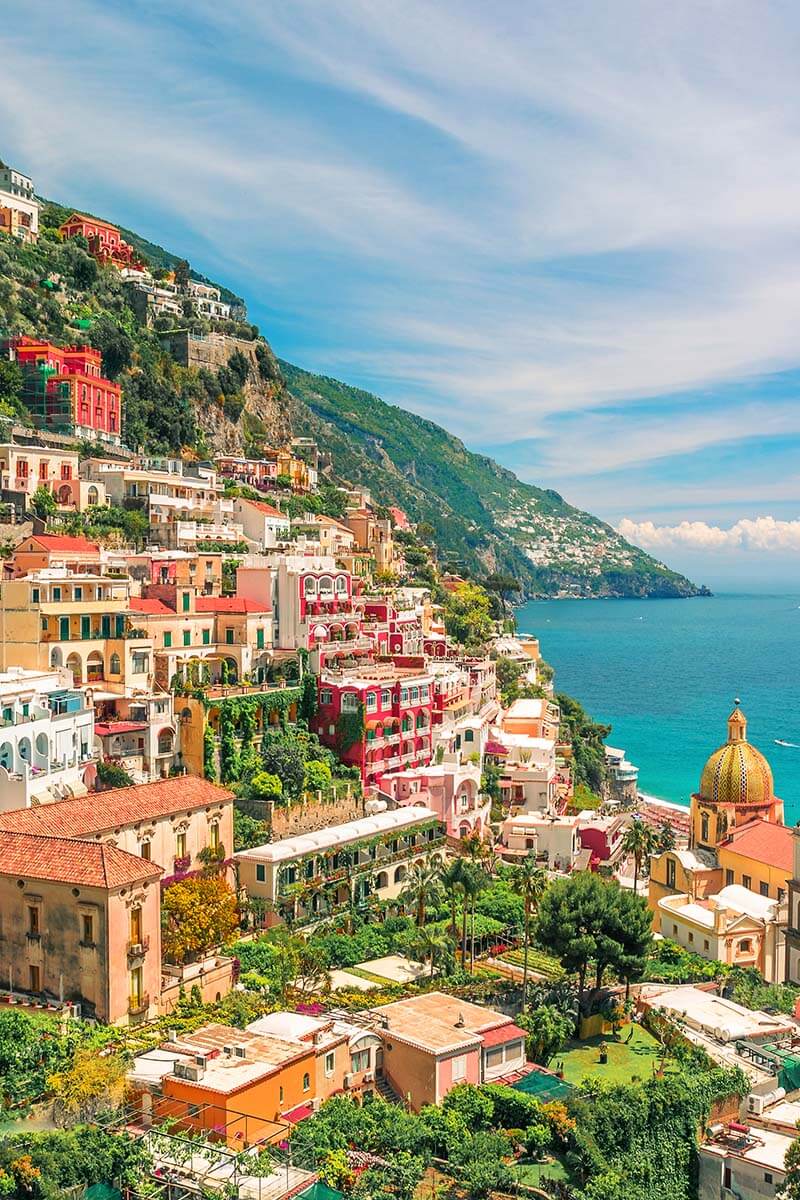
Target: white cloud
759, 534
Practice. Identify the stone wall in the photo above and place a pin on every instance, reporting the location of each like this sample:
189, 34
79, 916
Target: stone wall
309, 815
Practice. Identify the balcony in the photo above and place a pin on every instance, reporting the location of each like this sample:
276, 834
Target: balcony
138, 1004
138, 949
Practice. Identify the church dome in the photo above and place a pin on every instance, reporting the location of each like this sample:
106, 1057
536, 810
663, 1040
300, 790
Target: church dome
737, 773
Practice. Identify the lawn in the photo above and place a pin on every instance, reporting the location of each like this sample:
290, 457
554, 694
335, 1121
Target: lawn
625, 1059
532, 1173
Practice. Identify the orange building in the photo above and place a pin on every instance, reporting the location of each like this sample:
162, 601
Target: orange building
41, 551
65, 389
242, 1086
106, 242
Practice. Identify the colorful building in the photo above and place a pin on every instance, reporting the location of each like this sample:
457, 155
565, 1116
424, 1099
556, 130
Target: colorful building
65, 390
735, 926
432, 1042
395, 705
106, 243
450, 790
19, 208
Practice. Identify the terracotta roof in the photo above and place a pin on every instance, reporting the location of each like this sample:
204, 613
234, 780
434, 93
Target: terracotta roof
76, 216
109, 810
58, 541
230, 604
503, 1034
763, 842
67, 860
266, 509
156, 607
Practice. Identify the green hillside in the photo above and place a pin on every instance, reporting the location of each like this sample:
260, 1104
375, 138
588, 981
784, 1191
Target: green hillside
484, 518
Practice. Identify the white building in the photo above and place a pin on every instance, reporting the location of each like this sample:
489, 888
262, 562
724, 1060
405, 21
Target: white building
19, 208
261, 522
529, 778
305, 878
207, 301
551, 838
742, 1161
735, 926
46, 738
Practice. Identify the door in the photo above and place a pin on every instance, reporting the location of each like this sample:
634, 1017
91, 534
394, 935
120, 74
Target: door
379, 1061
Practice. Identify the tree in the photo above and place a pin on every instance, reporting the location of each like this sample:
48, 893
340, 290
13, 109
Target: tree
530, 881
473, 882
182, 272
318, 777
629, 924
422, 887
43, 503
467, 616
790, 1188
431, 945
94, 1083
248, 832
265, 786
450, 879
504, 585
282, 756
114, 343
665, 838
640, 842
112, 775
478, 1164
569, 921
307, 704
548, 1029
197, 914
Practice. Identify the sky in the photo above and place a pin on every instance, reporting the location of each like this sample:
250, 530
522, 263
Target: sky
569, 232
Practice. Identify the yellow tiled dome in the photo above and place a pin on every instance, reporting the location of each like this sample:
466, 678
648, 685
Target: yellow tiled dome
737, 773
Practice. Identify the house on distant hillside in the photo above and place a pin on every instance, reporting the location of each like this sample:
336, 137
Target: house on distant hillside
106, 243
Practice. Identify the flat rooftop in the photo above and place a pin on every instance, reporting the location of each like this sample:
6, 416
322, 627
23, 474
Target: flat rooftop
339, 835
437, 1022
224, 1072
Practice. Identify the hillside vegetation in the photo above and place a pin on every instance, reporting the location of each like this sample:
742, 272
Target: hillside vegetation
483, 517
479, 517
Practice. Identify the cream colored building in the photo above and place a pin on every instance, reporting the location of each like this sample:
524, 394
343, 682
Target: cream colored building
735, 926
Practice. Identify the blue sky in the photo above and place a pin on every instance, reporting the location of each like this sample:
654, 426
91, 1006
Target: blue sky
569, 232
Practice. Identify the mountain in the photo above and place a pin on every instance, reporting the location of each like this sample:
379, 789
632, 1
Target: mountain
484, 518
481, 517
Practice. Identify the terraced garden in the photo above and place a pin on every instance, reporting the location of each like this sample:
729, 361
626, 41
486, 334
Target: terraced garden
538, 962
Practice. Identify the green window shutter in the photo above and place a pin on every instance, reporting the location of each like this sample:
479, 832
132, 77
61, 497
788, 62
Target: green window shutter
206, 637
167, 639
86, 627
229, 637
63, 628
186, 601
105, 626
187, 637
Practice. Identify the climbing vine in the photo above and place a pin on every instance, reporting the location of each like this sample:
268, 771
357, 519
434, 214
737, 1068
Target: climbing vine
209, 767
237, 725
350, 729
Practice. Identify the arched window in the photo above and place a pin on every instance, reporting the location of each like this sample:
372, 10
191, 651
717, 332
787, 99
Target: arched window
92, 495
309, 586
165, 741
306, 1081
400, 874
325, 584
114, 664
469, 735
704, 827
341, 584
381, 880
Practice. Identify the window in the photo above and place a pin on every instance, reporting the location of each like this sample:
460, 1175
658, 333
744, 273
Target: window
781, 893
763, 889
261, 873
167, 639
206, 637
56, 593
34, 979
259, 639
745, 946
140, 662
330, 1063
705, 944
144, 850
469, 735
494, 1057
87, 929
670, 872
228, 637
213, 835
746, 881
372, 701
187, 637
114, 664
280, 1095
186, 600
704, 827
306, 1082
386, 697
728, 877
136, 990
767, 1177
459, 1068
325, 696
674, 930
180, 845
34, 595
691, 936
349, 702
77, 593
33, 920
360, 1061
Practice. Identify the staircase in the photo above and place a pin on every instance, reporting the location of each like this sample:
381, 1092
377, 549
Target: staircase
386, 1091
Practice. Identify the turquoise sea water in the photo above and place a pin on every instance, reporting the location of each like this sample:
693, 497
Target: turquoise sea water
664, 674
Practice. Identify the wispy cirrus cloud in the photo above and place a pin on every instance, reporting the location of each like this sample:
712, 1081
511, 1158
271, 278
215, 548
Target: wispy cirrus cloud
539, 224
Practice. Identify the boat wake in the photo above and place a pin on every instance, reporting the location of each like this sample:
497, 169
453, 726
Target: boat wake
790, 745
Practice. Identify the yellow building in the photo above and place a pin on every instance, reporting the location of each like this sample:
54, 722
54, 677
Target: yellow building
737, 833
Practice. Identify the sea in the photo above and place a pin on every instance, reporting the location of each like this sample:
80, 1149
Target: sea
665, 673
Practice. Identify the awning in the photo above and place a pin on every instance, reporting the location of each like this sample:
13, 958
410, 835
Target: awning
503, 1034
108, 728
295, 1115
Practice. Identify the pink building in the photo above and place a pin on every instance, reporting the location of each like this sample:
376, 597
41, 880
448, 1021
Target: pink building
453, 792
396, 703
432, 1042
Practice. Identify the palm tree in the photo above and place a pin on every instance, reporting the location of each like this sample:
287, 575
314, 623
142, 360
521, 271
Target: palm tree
529, 880
432, 945
451, 878
473, 881
640, 842
422, 886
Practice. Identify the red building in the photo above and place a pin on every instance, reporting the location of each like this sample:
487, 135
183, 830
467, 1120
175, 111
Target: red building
397, 707
65, 389
106, 243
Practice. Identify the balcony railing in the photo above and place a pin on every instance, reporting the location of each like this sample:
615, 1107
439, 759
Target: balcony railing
138, 949
138, 1004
